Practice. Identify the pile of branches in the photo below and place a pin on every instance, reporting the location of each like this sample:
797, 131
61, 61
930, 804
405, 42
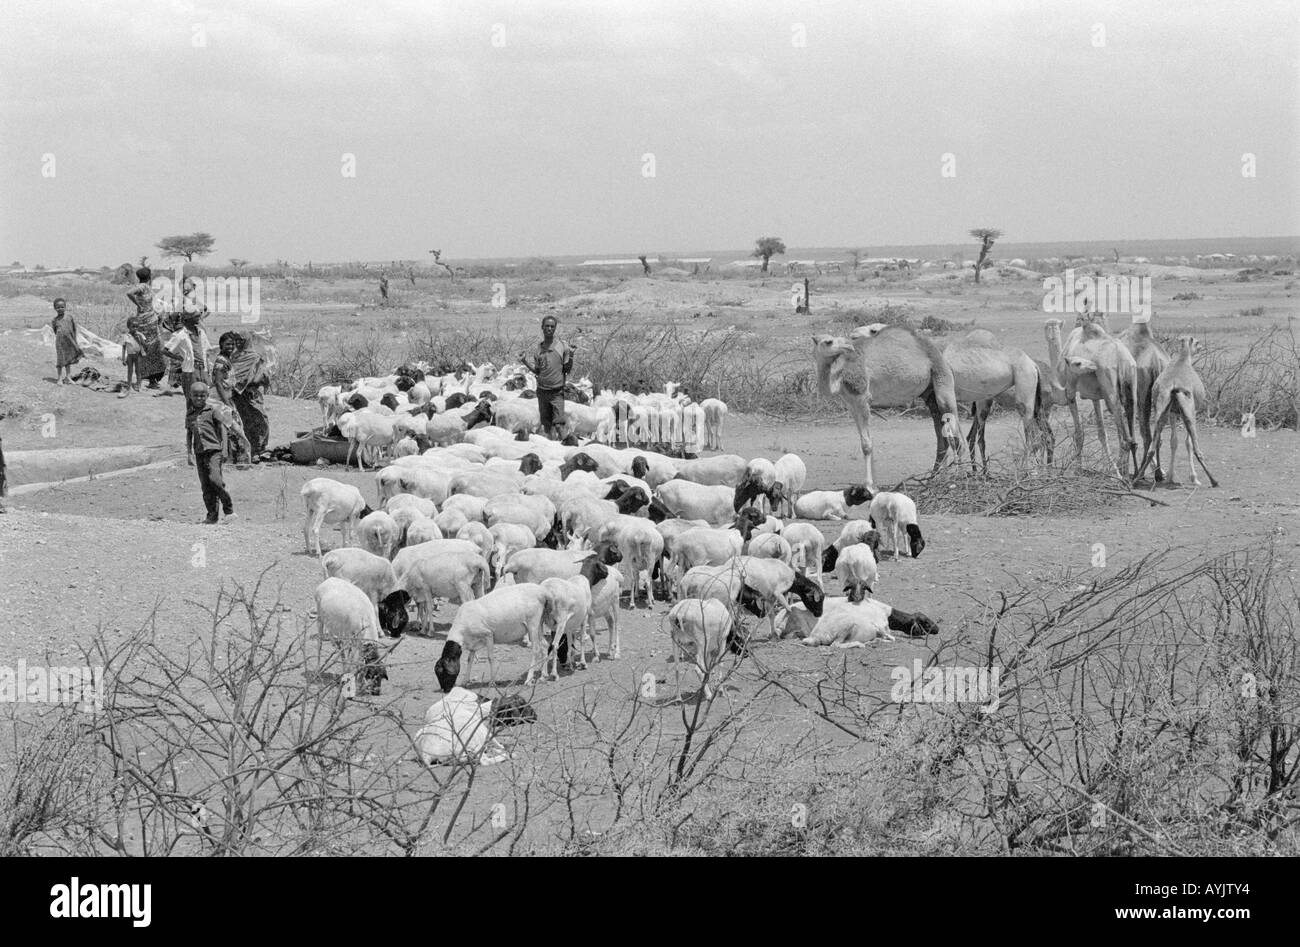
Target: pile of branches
1018, 489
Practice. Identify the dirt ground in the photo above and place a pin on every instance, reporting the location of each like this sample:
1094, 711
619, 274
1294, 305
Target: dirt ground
106, 553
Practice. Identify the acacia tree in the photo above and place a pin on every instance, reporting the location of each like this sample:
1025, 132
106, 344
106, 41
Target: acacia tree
986, 236
236, 262
855, 256
188, 246
767, 247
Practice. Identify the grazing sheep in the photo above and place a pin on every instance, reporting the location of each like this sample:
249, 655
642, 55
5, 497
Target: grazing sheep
830, 504
854, 531
486, 484
694, 501
725, 470
375, 577
537, 513
424, 481
401, 501
367, 430
791, 475
346, 617
480, 536
770, 546
894, 514
508, 539
845, 624
701, 630
460, 577
722, 582
329, 501
767, 585
534, 565
450, 521
710, 547
571, 613
470, 507
512, 614
423, 530
856, 570
379, 533
640, 546
806, 548
605, 605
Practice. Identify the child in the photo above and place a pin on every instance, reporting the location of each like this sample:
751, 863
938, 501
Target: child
66, 350
209, 441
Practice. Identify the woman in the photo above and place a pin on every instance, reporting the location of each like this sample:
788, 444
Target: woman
247, 378
144, 327
66, 350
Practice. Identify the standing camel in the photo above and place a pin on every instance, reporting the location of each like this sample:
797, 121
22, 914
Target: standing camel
888, 367
1178, 387
1151, 360
1096, 365
984, 372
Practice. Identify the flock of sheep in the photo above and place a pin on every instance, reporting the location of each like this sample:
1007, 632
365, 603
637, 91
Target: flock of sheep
536, 541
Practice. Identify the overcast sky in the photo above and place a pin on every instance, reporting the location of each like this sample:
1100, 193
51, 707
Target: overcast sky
511, 129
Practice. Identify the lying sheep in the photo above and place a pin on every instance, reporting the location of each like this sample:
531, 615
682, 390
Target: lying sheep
830, 504
329, 501
701, 630
512, 614
845, 624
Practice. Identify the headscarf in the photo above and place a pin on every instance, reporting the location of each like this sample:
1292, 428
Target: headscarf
246, 366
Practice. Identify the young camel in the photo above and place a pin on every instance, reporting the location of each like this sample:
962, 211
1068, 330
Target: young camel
889, 367
1181, 388
1094, 364
1151, 360
984, 372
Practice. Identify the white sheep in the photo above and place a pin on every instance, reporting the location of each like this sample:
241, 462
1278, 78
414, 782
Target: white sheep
423, 530
605, 605
726, 470
329, 501
715, 414
701, 630
770, 546
535, 512
571, 612
535, 565
791, 475
379, 533
421, 505
845, 624
689, 500
508, 539
830, 504
480, 536
854, 531
458, 577
346, 617
768, 584
450, 521
806, 548
470, 507
641, 546
856, 569
895, 514
512, 614
367, 430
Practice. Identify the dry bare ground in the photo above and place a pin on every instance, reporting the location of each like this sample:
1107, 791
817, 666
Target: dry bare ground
1148, 699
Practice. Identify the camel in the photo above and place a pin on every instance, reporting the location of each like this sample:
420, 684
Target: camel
1178, 387
1151, 360
888, 367
984, 372
1096, 365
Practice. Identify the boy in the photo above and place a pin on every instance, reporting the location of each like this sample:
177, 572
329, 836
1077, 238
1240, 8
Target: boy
209, 444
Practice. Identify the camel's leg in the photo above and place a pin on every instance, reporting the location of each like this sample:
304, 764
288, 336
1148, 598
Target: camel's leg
946, 432
1187, 409
1160, 416
1101, 435
1172, 477
862, 418
1078, 432
1120, 404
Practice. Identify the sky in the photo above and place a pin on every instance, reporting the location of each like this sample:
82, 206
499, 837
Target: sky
507, 129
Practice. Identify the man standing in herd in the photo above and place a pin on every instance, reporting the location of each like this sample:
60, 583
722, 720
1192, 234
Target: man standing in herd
551, 364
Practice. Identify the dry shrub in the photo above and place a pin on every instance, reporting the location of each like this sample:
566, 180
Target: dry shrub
1016, 488
1264, 379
